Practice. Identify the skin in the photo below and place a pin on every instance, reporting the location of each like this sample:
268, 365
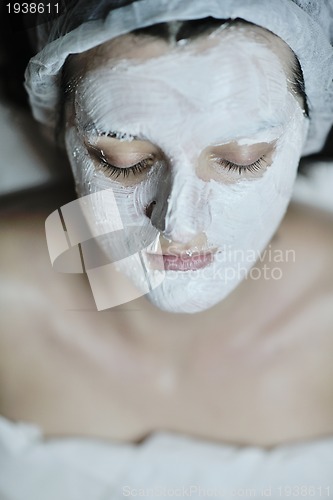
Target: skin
254, 369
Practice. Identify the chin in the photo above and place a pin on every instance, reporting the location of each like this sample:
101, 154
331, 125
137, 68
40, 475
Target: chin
194, 297
170, 306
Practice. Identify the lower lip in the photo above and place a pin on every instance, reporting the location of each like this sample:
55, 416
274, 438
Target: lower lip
174, 263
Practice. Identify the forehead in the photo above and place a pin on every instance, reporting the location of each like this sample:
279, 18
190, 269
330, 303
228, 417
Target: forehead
136, 83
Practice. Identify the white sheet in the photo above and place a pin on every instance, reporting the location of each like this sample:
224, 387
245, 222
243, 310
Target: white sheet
164, 465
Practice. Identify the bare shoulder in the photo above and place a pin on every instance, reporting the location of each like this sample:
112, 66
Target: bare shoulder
31, 291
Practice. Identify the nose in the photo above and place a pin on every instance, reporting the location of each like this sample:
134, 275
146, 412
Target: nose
181, 212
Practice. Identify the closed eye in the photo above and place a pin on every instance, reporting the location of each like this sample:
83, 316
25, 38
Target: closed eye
112, 171
252, 167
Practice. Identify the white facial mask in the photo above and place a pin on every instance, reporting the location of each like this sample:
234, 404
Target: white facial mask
184, 102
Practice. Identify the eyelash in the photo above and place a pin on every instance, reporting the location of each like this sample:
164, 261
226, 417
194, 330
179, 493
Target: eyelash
112, 171
253, 167
138, 168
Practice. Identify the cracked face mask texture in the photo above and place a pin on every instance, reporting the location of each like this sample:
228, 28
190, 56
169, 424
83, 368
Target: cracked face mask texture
219, 138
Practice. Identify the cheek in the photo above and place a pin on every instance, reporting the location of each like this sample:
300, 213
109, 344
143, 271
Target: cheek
247, 214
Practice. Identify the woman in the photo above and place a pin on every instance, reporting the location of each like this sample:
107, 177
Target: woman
190, 134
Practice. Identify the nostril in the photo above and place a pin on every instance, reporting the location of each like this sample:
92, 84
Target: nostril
149, 209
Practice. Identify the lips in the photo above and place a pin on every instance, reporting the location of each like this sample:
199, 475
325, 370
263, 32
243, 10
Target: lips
184, 262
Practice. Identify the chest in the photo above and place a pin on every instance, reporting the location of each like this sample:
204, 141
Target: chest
275, 387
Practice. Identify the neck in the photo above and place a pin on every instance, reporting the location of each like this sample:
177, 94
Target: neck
142, 324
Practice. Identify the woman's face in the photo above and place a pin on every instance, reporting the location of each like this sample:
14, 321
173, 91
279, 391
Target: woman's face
200, 144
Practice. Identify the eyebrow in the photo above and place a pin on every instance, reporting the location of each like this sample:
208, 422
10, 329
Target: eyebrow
121, 136
263, 127
91, 126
